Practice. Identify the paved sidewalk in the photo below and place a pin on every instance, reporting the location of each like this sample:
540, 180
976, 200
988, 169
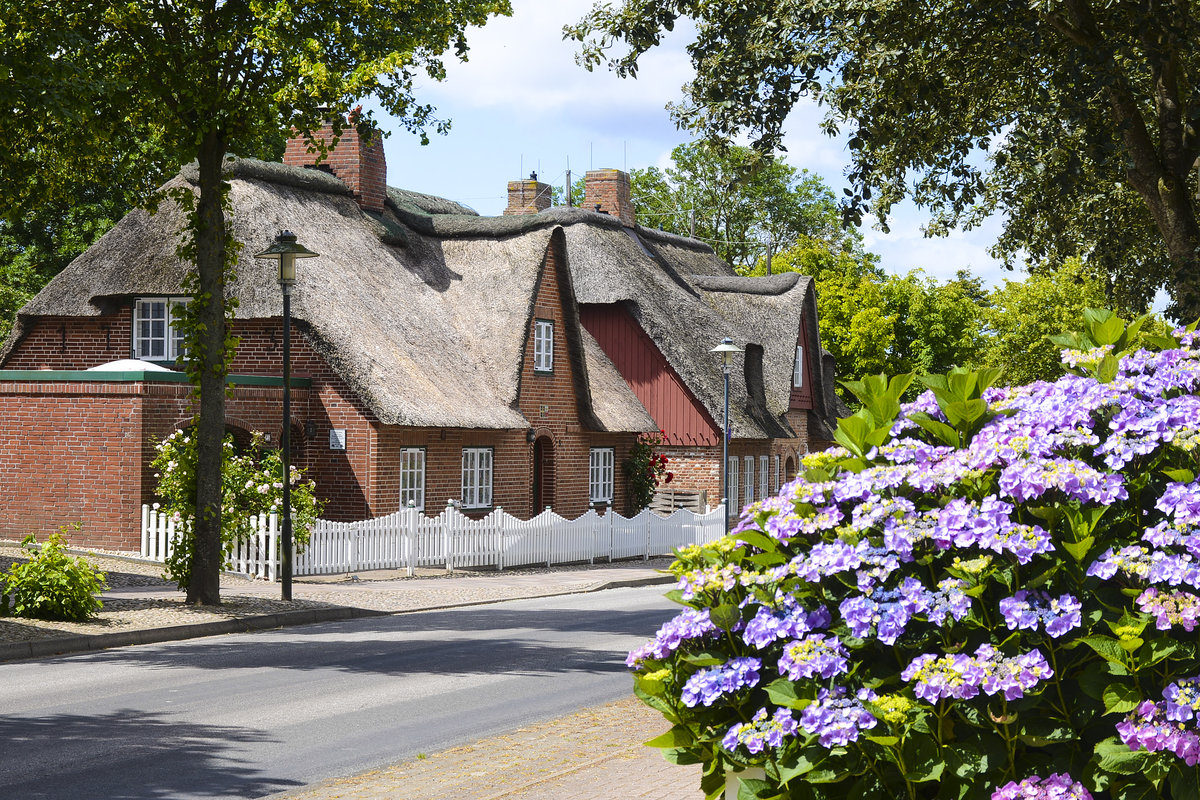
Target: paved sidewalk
594, 754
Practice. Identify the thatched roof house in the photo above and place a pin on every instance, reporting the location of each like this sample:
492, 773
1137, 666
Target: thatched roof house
419, 319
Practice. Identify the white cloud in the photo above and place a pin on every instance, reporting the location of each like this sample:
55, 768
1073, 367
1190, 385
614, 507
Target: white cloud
522, 103
522, 65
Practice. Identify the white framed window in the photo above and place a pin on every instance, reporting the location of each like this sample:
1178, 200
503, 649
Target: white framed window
775, 485
600, 474
412, 477
543, 345
731, 480
477, 477
155, 336
763, 488
798, 368
748, 480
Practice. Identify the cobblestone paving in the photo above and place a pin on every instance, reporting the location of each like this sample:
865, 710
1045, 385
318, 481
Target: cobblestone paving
594, 754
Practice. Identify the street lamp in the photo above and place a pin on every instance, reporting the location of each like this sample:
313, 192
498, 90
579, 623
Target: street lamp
726, 349
285, 250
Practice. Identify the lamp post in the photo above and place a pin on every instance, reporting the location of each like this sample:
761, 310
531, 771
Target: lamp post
726, 349
285, 250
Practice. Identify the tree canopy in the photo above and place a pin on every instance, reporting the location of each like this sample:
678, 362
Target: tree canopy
1078, 120
83, 83
738, 201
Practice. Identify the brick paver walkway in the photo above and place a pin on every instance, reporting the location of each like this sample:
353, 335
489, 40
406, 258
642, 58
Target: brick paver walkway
593, 754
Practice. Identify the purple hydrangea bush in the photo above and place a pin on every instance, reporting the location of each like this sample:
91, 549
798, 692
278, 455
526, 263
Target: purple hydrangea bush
990, 593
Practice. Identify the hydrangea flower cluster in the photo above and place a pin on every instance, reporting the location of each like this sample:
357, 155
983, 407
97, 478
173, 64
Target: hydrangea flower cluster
1148, 728
761, 731
1182, 699
1006, 566
836, 718
708, 686
963, 676
770, 625
1031, 610
1170, 608
691, 624
814, 656
1052, 787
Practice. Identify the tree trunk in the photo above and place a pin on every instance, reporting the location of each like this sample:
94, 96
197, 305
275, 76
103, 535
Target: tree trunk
205, 586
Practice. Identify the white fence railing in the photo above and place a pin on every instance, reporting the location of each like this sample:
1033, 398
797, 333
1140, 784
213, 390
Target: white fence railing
408, 539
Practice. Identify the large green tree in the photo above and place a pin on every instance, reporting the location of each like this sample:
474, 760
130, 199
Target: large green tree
1023, 315
83, 82
736, 200
1078, 119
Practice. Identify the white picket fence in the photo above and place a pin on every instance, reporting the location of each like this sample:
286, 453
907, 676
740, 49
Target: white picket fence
408, 539
256, 556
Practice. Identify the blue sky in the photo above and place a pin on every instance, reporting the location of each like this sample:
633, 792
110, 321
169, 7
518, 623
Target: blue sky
521, 103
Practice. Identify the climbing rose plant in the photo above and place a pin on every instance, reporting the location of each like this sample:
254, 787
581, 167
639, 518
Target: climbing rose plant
646, 468
991, 593
252, 484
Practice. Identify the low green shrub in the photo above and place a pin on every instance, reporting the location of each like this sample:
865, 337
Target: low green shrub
53, 585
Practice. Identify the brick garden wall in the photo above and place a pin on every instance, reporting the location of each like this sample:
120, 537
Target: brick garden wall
71, 453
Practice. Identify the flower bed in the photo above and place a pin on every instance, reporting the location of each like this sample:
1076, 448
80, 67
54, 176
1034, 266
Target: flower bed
989, 593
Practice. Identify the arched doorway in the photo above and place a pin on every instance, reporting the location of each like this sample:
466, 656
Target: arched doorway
789, 469
543, 474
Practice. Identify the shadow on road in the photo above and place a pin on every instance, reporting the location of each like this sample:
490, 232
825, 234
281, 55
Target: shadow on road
464, 642
126, 755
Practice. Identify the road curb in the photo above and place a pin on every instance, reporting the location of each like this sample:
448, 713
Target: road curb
41, 648
82, 643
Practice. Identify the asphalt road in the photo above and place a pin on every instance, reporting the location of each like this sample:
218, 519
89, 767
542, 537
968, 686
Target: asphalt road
252, 714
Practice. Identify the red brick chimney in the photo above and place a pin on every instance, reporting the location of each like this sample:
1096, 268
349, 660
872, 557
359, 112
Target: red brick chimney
608, 190
527, 197
355, 161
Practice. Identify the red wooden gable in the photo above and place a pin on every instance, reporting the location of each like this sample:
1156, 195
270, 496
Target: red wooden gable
802, 397
672, 405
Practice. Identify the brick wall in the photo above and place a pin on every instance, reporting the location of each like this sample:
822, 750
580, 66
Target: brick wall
357, 162
71, 453
75, 342
610, 190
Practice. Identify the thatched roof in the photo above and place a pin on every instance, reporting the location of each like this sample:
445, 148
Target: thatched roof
424, 309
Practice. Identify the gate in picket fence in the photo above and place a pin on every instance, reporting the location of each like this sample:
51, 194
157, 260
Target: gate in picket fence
408, 539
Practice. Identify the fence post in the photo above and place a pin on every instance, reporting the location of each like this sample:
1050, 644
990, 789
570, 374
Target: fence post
447, 521
409, 536
273, 547
649, 520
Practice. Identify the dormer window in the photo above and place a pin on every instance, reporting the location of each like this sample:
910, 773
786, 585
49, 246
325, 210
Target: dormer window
798, 368
156, 337
543, 345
